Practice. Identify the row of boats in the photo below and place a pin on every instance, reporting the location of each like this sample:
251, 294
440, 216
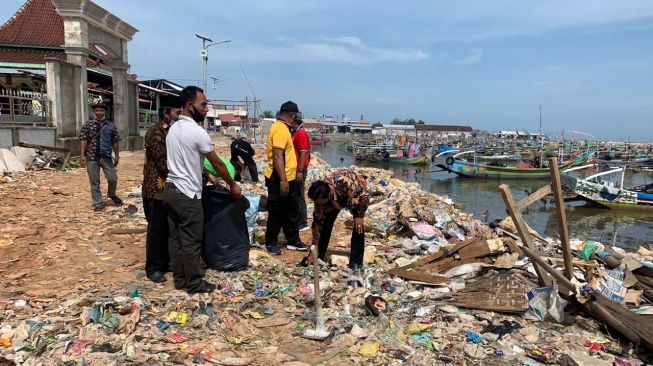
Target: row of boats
530, 164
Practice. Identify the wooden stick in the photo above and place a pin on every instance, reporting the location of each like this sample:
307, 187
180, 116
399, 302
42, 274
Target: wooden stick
522, 229
533, 197
562, 217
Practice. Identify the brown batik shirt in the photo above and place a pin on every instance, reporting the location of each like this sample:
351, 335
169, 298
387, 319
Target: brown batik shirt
155, 170
348, 190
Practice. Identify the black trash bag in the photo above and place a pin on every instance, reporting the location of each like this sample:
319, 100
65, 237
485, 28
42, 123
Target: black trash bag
226, 240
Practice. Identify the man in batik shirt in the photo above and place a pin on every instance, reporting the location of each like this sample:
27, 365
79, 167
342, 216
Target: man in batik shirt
99, 149
155, 172
346, 189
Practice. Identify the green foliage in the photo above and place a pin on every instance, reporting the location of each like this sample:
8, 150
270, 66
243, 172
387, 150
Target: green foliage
268, 114
377, 124
407, 122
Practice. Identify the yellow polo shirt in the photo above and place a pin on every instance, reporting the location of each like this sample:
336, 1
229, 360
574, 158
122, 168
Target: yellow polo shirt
279, 137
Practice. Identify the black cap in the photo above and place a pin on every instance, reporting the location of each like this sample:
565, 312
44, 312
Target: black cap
289, 106
101, 105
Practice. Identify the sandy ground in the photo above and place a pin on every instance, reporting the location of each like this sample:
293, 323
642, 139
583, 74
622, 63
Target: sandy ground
52, 243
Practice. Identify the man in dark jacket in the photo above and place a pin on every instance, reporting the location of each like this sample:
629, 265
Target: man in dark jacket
241, 149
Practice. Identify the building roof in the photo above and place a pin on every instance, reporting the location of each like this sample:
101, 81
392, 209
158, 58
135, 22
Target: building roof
36, 23
29, 56
444, 128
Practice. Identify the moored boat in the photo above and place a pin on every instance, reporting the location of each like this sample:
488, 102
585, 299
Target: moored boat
608, 194
454, 164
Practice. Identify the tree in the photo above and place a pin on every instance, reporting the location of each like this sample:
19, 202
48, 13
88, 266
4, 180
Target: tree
397, 121
268, 114
420, 122
377, 125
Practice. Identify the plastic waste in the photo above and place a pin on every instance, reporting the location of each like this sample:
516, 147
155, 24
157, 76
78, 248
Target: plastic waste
226, 239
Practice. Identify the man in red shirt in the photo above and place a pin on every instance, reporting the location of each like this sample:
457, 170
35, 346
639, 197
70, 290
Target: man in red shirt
302, 144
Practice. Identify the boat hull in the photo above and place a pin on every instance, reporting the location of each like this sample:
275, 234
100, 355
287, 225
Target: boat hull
608, 196
471, 170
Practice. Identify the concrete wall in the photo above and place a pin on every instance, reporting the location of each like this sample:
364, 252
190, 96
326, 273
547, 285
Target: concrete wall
11, 136
5, 138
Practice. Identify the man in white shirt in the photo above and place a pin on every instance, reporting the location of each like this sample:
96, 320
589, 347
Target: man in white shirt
187, 145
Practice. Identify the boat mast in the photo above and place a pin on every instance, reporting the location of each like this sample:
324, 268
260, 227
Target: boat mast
542, 141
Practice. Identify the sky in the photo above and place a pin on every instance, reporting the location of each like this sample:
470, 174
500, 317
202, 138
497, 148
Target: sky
488, 64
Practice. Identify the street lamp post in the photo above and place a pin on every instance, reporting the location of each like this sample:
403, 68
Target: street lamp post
206, 43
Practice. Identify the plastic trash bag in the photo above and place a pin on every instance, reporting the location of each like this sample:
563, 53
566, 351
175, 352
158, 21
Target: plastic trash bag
423, 231
226, 239
545, 302
250, 214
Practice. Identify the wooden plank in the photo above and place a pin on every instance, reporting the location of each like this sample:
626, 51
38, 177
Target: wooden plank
44, 147
543, 278
562, 217
419, 276
514, 248
533, 197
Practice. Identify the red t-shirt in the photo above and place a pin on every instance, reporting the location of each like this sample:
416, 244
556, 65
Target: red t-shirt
302, 142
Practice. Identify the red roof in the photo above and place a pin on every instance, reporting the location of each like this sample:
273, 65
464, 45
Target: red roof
36, 23
29, 56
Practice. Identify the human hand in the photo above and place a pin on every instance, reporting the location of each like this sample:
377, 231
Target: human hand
116, 159
300, 177
82, 159
359, 224
284, 188
235, 191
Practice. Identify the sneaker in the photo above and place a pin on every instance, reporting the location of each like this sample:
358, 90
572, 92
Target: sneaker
304, 227
274, 249
116, 200
203, 288
98, 208
298, 246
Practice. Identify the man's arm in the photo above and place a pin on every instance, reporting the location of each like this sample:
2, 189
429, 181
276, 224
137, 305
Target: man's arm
84, 135
222, 171
316, 226
280, 167
155, 151
116, 148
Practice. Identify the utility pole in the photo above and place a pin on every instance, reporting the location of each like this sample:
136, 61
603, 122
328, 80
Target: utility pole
542, 141
206, 43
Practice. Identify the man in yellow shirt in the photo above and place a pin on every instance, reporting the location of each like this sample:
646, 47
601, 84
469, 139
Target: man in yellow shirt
283, 209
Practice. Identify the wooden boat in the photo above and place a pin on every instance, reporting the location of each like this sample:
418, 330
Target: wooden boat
416, 160
454, 164
608, 194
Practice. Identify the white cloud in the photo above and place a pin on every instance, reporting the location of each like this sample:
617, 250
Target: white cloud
474, 58
341, 49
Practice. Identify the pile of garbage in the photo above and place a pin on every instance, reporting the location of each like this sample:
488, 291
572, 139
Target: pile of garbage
438, 287
19, 158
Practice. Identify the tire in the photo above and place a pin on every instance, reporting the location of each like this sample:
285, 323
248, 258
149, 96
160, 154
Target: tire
449, 160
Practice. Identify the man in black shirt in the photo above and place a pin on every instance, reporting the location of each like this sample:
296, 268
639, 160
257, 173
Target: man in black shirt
243, 150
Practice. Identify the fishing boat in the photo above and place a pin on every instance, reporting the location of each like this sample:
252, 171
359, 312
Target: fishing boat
416, 160
608, 194
388, 154
464, 168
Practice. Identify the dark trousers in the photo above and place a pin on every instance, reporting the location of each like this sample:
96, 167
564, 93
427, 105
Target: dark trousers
282, 213
357, 240
302, 219
240, 168
186, 225
156, 244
